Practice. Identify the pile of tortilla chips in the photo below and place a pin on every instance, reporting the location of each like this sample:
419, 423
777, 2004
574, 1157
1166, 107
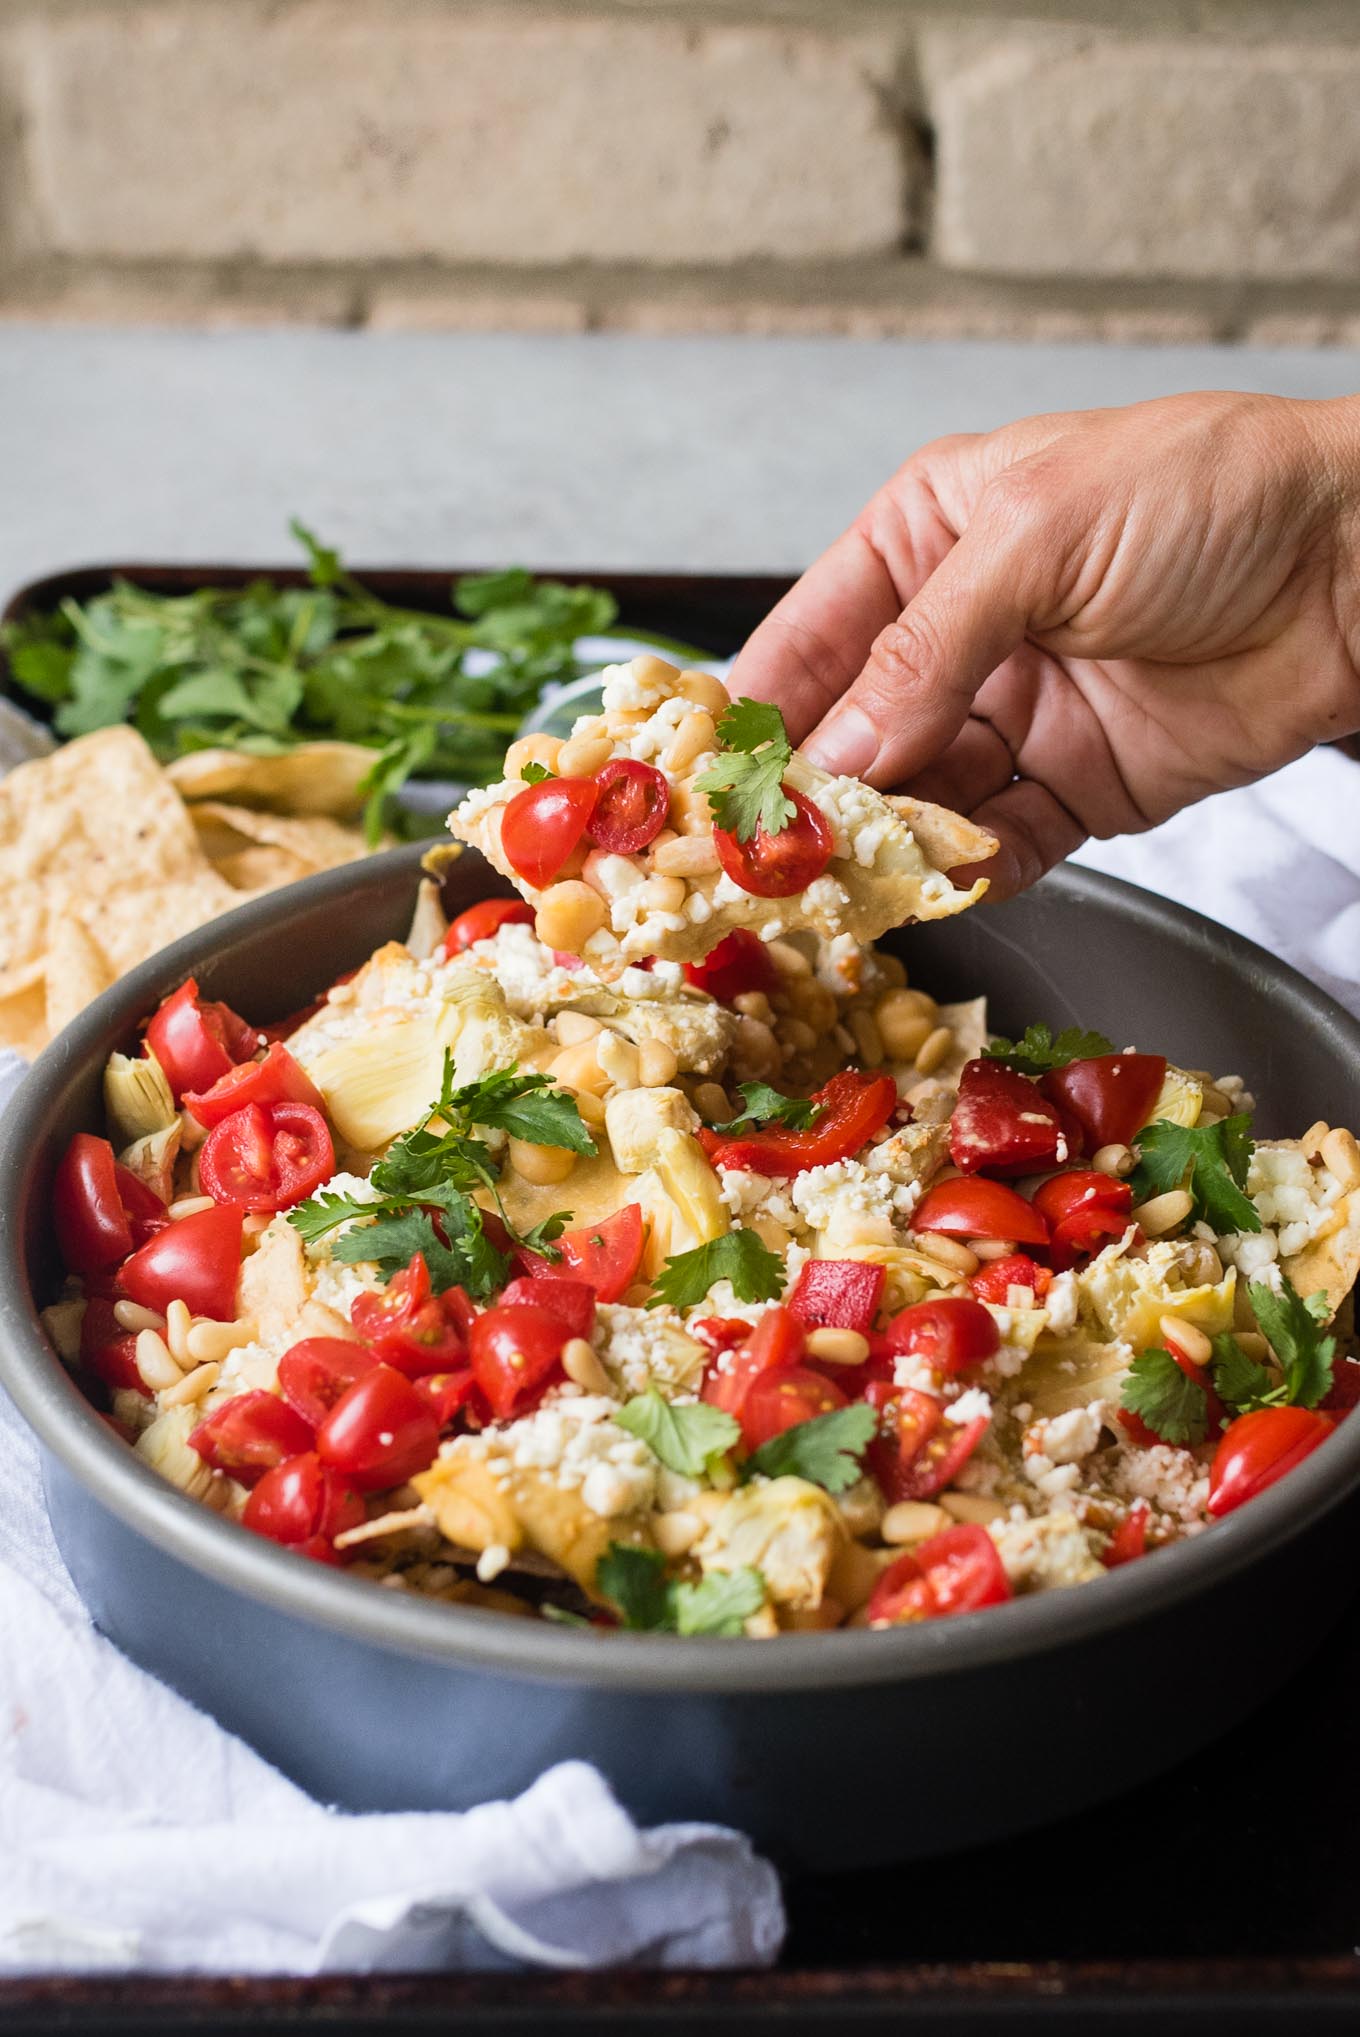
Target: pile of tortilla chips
102, 862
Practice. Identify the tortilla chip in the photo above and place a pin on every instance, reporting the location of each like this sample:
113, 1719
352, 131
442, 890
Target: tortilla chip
77, 971
315, 778
23, 1019
1330, 1264
260, 869
300, 843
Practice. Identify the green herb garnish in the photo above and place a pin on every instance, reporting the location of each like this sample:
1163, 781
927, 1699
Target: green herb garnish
1037, 1051
635, 1581
1210, 1160
756, 1273
825, 1450
745, 784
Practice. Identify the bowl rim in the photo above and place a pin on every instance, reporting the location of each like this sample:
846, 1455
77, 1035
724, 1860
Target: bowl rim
71, 1430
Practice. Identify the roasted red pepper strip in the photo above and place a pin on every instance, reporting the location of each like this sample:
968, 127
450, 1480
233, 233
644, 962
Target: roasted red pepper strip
841, 1294
854, 1107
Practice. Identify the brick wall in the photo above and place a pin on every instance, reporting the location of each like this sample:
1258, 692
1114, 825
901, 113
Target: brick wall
1173, 169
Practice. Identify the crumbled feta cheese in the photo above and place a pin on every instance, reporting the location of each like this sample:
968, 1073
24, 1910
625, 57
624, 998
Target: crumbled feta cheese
971, 1405
646, 1347
626, 691
1171, 1480
572, 1439
1060, 1304
1069, 1437
486, 796
825, 895
1295, 1198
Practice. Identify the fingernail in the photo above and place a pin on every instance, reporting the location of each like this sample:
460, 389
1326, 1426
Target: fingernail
846, 745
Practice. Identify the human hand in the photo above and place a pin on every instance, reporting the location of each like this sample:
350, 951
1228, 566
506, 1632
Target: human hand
1081, 623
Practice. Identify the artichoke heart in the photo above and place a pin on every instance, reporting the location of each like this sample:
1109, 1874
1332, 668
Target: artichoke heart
152, 1158
684, 1173
1179, 1099
787, 1529
165, 1446
635, 1119
137, 1097
1071, 1372
379, 1083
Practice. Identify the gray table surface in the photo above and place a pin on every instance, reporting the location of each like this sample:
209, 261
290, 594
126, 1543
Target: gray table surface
738, 454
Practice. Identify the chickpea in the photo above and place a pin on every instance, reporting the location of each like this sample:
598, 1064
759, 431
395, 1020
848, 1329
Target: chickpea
541, 1165
539, 748
906, 1019
684, 855
657, 1064
690, 812
712, 1103
568, 914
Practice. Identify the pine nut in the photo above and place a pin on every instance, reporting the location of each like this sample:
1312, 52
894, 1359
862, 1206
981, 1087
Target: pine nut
912, 1520
788, 960
209, 1341
649, 670
572, 1027
1253, 1344
756, 1051
972, 1506
1113, 1159
934, 1050
590, 1109
665, 894
992, 1248
695, 734
1203, 1267
188, 1206
539, 748
193, 1386
1312, 1139
658, 1064
712, 1103
568, 914
754, 1004
831, 1346
1163, 1213
177, 1321
541, 1165
157, 1368
62, 1321
676, 1534
948, 1252
868, 1038
906, 1019
583, 756
581, 1366
1187, 1338
1341, 1157
684, 856
619, 1059
799, 1035
130, 1315
705, 691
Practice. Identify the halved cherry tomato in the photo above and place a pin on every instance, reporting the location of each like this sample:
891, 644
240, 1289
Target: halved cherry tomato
631, 808
994, 1281
776, 1344
839, 1294
447, 1394
854, 1107
146, 1213
196, 1259
979, 1209
108, 1349
196, 1040
485, 918
605, 1256
918, 1449
1259, 1448
959, 1571
1129, 1540
249, 1434
721, 1333
571, 1301
277, 1078
739, 962
92, 1225
377, 1311
379, 1433
1110, 1096
544, 823
776, 866
1083, 1210
266, 1157
304, 1505
410, 1328
1002, 1123
515, 1353
949, 1334
1344, 1392
781, 1400
314, 1374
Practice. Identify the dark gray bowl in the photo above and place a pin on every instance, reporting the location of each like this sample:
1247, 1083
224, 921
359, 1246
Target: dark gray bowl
832, 1750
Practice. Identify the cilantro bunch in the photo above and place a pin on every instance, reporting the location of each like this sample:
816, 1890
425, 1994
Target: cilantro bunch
428, 1179
1176, 1407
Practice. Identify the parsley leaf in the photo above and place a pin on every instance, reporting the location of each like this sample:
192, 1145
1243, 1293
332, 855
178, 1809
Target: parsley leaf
469, 1260
650, 1602
1036, 1052
1294, 1334
534, 774
825, 1450
756, 1273
685, 1435
766, 1106
1239, 1381
528, 1107
1211, 1160
1174, 1407
323, 1211
540, 1236
745, 783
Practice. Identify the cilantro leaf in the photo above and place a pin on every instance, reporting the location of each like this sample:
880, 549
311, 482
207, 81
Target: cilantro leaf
323, 1211
650, 1602
756, 1273
635, 1581
685, 1435
1036, 1052
1175, 1408
825, 1450
469, 1260
540, 1237
745, 783
528, 1107
1211, 1160
766, 1106
534, 774
720, 1603
1239, 1381
1293, 1333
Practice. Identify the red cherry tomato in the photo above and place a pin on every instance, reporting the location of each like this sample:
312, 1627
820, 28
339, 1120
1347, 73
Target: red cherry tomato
721, 1333
377, 1311
918, 1450
447, 1394
959, 1571
1129, 1540
92, 1225
1002, 1123
1083, 1210
411, 1329
1110, 1097
1344, 1392
854, 1107
781, 1400
738, 963
838, 1294
197, 1041
196, 1259
108, 1349
314, 1374
774, 1345
515, 1353
484, 919
605, 1256
979, 1209
275, 1079
776, 866
631, 808
544, 823
950, 1334
146, 1213
1259, 1448
571, 1301
379, 1433
250, 1434
994, 1281
266, 1157
301, 1502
